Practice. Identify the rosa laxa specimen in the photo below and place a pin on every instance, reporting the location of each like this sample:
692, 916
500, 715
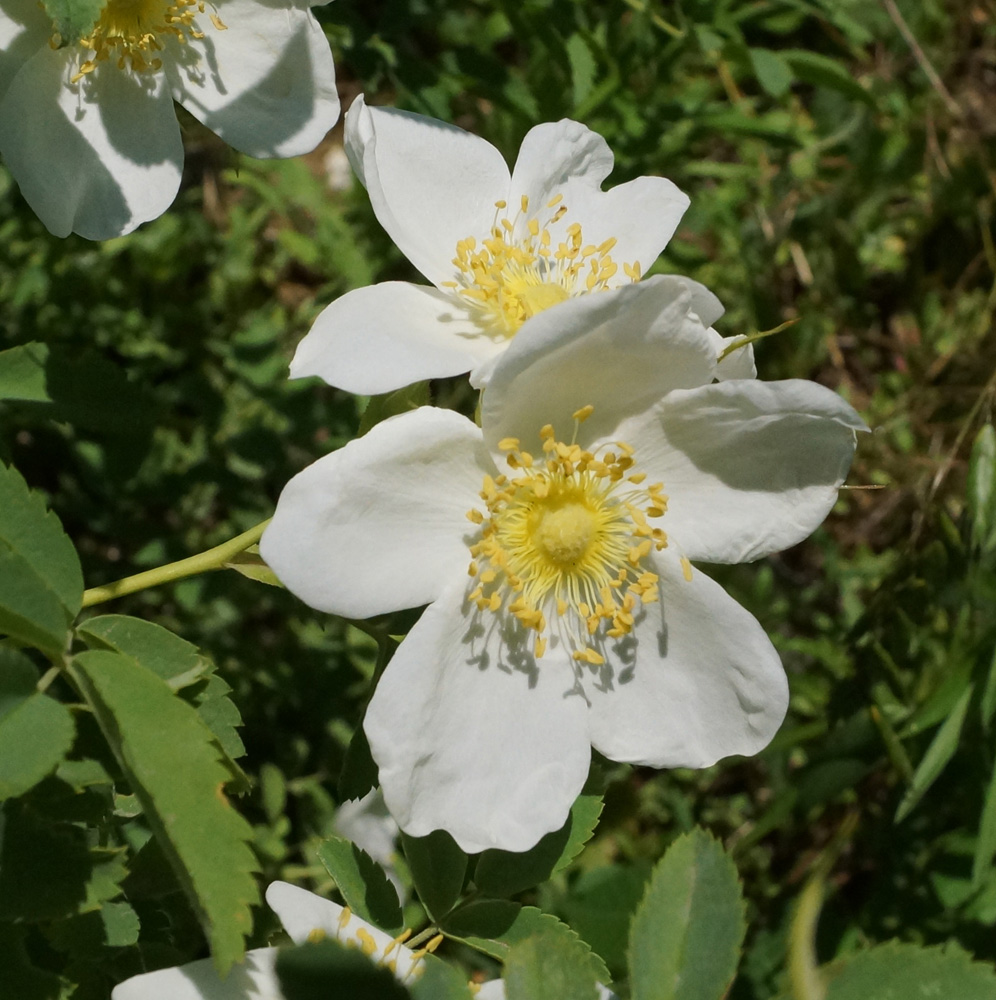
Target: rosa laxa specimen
87, 122
554, 547
305, 917
498, 247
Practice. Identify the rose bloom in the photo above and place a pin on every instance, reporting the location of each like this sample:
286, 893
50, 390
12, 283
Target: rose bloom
554, 547
499, 248
88, 128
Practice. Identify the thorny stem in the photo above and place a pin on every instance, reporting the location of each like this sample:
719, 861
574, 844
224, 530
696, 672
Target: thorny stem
203, 562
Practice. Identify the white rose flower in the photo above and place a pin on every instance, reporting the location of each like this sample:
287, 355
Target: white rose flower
88, 129
305, 917
498, 248
606, 461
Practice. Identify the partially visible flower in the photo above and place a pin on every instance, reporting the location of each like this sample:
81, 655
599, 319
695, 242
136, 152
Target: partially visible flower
87, 125
495, 990
369, 825
498, 248
306, 917
553, 546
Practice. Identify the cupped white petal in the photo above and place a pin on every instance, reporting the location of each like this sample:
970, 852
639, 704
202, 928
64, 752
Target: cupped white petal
265, 84
302, 912
380, 524
474, 736
566, 158
619, 351
494, 989
749, 467
96, 158
430, 184
254, 979
382, 337
695, 681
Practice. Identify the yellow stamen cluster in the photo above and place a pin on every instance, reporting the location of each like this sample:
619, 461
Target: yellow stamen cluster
517, 272
132, 33
567, 538
361, 938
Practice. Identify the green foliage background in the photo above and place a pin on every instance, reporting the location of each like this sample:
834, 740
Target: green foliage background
833, 182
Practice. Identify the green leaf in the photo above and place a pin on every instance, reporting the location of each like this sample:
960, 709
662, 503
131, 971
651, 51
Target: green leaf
773, 73
223, 719
985, 844
438, 867
172, 764
583, 68
359, 770
324, 969
600, 907
940, 751
439, 981
505, 873
173, 659
906, 972
48, 871
36, 731
493, 926
41, 584
686, 934
981, 488
22, 373
822, 71
392, 403
73, 19
548, 965
367, 890
21, 979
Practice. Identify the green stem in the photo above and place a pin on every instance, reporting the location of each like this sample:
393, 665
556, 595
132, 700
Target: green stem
803, 966
203, 562
430, 932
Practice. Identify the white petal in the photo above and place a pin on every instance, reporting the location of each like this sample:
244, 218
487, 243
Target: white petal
252, 980
97, 158
367, 823
472, 735
696, 681
430, 184
738, 363
568, 159
382, 337
618, 351
266, 84
494, 989
302, 912
24, 29
381, 524
749, 467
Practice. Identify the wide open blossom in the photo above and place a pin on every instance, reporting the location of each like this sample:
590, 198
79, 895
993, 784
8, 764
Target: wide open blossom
554, 547
88, 128
306, 917
498, 248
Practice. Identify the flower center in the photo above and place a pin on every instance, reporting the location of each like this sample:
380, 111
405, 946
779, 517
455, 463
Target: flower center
516, 272
566, 541
132, 32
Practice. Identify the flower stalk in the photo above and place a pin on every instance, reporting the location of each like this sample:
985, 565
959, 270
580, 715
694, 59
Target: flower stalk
204, 562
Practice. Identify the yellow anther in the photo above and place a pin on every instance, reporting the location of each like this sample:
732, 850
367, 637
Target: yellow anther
555, 200
525, 203
584, 413
367, 944
344, 917
539, 647
218, 23
501, 204
686, 569
605, 247
508, 444
475, 516
316, 934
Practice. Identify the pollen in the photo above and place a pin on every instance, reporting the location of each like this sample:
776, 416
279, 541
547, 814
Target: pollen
518, 271
133, 33
564, 545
